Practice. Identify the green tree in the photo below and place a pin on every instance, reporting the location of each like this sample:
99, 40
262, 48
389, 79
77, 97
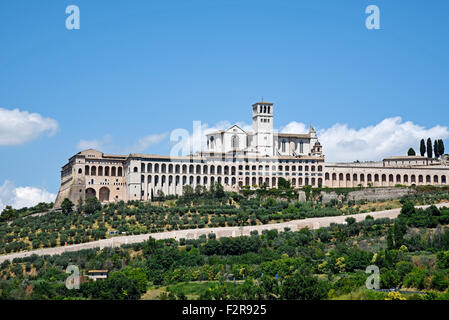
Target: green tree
422, 148
283, 183
91, 205
436, 149
79, 207
67, 206
8, 214
411, 152
441, 147
429, 148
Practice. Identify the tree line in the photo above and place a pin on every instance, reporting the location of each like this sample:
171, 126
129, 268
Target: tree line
426, 147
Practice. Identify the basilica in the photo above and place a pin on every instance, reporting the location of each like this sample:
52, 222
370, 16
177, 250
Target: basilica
236, 158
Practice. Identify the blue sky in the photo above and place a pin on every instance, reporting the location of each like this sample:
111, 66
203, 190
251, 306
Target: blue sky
137, 69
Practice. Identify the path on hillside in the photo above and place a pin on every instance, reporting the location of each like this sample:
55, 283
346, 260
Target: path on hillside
294, 225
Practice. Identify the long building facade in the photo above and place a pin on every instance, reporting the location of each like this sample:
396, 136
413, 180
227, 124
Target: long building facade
236, 158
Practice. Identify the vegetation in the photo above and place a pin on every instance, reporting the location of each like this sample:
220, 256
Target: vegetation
199, 208
412, 253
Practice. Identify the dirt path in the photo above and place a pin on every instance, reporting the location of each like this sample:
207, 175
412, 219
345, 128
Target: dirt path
294, 225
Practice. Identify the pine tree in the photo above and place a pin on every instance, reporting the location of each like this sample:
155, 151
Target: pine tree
411, 152
422, 148
429, 148
436, 149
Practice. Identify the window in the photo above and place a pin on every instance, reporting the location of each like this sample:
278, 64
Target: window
283, 145
235, 142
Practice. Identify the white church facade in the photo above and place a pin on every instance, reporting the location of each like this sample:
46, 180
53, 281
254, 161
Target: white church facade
236, 158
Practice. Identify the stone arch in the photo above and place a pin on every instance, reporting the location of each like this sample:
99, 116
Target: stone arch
156, 168
435, 179
413, 178
80, 171
90, 193
205, 169
420, 178
428, 180
170, 168
106, 171
163, 168
354, 177
120, 171
218, 169
191, 168
212, 169
184, 168
86, 170
198, 169
149, 168
103, 194
398, 178
136, 169
93, 171
100, 170
443, 179
405, 178
362, 178
113, 171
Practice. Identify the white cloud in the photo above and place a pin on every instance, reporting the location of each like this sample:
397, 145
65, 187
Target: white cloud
147, 141
18, 127
23, 196
389, 137
295, 127
98, 144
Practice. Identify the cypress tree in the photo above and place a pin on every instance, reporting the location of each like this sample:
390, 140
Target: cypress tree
429, 148
411, 152
422, 148
436, 149
441, 147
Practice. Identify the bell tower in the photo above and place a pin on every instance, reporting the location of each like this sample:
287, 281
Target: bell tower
263, 127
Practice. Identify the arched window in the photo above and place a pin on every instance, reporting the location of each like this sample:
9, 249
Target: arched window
284, 143
235, 142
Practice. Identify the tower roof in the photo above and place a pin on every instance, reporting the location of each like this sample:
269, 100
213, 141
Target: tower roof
263, 102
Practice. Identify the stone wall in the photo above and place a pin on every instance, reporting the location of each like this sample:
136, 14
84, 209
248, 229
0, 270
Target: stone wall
369, 194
